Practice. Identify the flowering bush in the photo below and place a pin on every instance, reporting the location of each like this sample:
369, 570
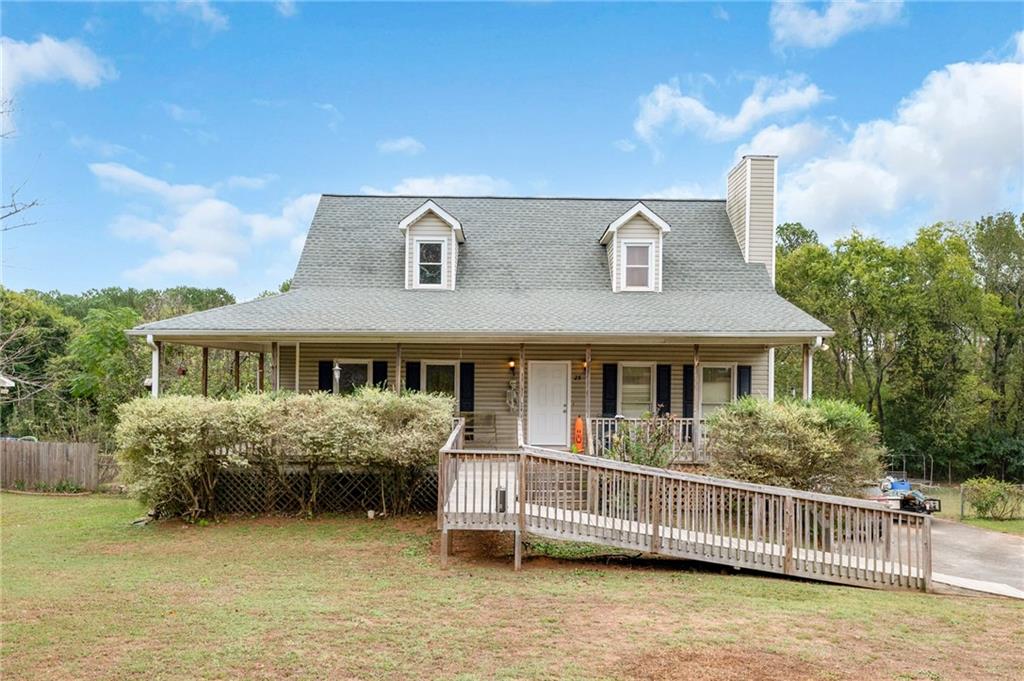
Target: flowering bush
172, 449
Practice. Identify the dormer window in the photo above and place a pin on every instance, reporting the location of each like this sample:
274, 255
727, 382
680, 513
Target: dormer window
633, 243
430, 262
432, 238
638, 265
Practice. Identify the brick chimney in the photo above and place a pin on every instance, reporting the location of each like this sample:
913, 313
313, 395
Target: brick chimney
750, 203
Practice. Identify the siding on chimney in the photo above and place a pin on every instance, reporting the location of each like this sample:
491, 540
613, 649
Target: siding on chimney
736, 203
761, 213
750, 204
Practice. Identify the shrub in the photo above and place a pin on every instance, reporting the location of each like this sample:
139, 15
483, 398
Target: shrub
173, 449
647, 442
994, 499
825, 446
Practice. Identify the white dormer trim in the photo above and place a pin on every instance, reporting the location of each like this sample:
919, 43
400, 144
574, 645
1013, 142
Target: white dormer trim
641, 210
431, 207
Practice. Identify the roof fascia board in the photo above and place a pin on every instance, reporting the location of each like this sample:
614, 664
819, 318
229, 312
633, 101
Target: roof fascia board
430, 207
638, 209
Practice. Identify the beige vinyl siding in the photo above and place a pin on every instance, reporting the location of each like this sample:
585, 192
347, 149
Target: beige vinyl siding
286, 355
611, 248
762, 213
736, 203
638, 229
431, 227
492, 374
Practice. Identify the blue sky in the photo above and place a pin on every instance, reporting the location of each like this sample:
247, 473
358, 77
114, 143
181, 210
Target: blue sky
187, 142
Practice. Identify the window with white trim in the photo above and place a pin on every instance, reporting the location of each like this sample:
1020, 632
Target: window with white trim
430, 263
638, 266
636, 389
440, 377
718, 387
350, 374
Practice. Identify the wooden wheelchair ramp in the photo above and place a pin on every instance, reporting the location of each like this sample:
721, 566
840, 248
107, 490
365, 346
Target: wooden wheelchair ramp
558, 495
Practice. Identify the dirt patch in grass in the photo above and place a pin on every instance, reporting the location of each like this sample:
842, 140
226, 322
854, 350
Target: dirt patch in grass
722, 664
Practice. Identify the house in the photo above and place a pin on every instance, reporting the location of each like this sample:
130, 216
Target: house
538, 310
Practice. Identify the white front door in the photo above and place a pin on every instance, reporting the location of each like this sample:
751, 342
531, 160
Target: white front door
547, 404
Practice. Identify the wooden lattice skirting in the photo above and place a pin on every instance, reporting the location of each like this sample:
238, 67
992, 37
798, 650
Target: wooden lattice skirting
262, 490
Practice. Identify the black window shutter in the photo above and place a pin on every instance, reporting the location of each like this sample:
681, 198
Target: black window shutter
412, 375
609, 389
466, 384
687, 391
743, 379
325, 376
663, 389
380, 373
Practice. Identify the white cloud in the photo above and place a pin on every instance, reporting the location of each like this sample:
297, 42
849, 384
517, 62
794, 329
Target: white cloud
198, 234
199, 11
446, 185
101, 147
286, 8
685, 190
202, 266
401, 145
334, 116
295, 216
793, 23
247, 182
182, 114
719, 13
117, 176
666, 106
49, 60
790, 144
624, 145
951, 151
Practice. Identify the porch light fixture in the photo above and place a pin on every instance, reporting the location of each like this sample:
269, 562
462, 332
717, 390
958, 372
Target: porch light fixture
511, 365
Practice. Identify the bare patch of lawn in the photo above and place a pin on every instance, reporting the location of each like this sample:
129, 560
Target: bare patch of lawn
87, 595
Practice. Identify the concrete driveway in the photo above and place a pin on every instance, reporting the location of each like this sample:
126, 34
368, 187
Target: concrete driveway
978, 560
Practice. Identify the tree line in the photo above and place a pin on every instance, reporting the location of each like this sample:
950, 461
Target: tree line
929, 339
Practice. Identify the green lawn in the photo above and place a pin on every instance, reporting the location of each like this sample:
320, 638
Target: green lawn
87, 595
951, 509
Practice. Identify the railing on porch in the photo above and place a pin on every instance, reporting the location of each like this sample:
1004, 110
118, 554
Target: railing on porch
567, 496
601, 433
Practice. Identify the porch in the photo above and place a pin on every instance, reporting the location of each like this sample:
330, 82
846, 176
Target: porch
549, 386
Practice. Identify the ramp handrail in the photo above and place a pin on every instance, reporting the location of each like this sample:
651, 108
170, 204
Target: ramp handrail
775, 529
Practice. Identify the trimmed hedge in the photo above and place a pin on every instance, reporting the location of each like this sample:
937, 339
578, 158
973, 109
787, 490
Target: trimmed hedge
171, 450
827, 446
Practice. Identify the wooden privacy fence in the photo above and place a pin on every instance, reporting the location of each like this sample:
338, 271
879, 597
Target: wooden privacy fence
581, 498
30, 464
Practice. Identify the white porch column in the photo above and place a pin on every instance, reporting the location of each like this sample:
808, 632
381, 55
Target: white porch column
154, 376
297, 366
808, 372
698, 389
275, 368
771, 374
521, 387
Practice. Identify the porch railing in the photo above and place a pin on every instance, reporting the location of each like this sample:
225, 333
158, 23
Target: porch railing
601, 433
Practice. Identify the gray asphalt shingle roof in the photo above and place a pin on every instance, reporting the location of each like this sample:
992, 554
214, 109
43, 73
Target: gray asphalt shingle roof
528, 266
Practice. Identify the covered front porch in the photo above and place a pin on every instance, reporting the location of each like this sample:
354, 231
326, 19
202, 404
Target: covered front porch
549, 386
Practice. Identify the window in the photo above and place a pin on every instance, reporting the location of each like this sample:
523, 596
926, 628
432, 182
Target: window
350, 374
430, 264
636, 389
637, 269
439, 377
717, 389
